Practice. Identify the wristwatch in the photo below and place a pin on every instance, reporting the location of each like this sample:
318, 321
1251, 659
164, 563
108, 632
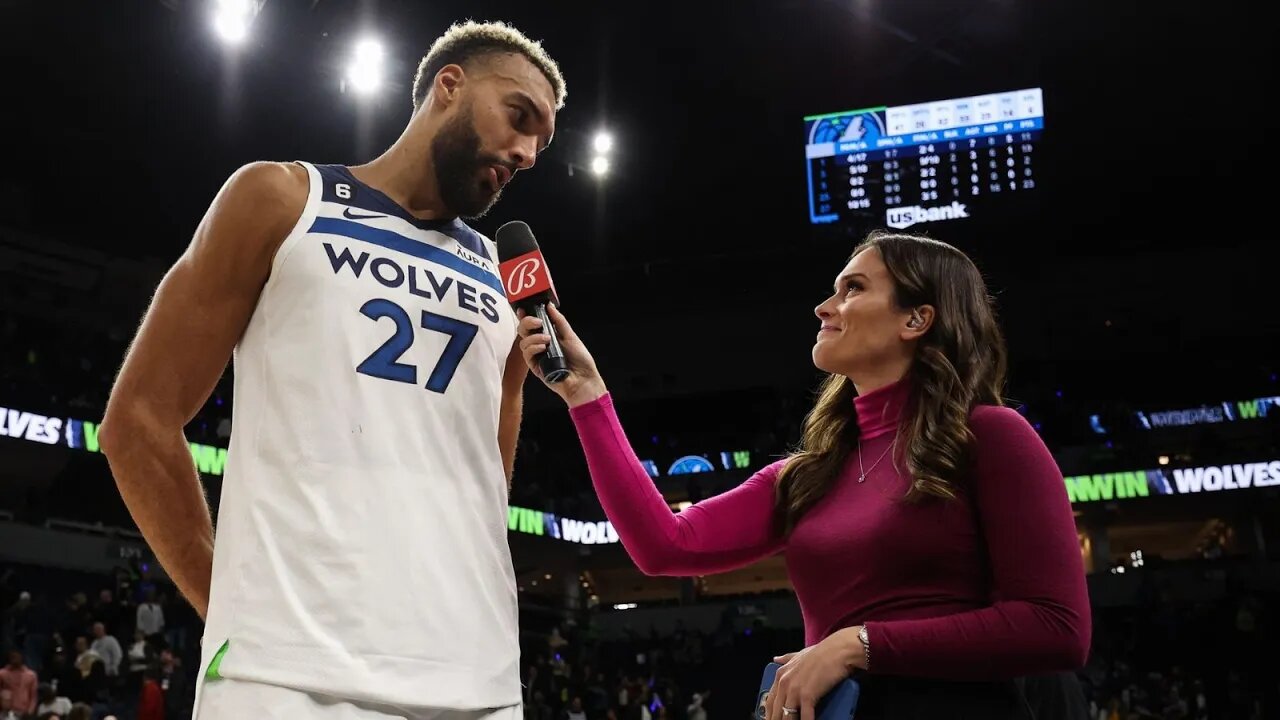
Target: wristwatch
866, 647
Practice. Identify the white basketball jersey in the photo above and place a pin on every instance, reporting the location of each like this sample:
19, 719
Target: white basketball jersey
361, 546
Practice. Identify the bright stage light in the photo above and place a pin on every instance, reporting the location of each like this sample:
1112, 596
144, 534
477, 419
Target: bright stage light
603, 143
231, 20
365, 73
600, 166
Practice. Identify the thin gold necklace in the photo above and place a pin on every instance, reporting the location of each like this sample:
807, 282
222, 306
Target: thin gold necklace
862, 474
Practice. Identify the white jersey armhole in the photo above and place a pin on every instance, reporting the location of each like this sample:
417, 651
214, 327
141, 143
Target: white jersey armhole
315, 189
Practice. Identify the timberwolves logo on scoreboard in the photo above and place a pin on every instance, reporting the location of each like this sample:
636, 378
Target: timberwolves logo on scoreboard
865, 126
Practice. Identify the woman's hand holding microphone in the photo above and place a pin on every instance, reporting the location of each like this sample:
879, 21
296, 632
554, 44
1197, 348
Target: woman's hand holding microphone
583, 383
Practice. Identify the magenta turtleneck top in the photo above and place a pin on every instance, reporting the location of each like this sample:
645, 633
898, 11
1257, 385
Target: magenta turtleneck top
988, 586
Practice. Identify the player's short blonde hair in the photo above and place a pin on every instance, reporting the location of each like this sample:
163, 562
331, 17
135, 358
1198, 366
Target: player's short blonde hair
469, 40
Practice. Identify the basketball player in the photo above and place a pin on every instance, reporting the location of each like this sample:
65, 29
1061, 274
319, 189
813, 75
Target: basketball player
361, 568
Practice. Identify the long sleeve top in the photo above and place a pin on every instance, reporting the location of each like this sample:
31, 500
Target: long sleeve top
989, 585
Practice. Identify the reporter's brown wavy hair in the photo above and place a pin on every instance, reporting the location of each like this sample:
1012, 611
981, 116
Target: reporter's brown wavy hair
959, 363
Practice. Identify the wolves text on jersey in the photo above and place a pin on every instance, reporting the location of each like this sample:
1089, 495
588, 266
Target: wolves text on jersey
415, 280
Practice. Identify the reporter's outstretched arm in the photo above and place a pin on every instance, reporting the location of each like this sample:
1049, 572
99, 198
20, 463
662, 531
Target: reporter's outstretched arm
715, 535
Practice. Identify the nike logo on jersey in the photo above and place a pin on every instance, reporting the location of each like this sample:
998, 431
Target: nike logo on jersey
354, 216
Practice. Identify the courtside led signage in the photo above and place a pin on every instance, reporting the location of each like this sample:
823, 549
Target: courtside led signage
1209, 414
1224, 412
582, 532
1178, 481
689, 464
83, 435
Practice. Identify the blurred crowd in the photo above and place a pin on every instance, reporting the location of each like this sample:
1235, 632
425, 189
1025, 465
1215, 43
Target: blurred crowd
129, 652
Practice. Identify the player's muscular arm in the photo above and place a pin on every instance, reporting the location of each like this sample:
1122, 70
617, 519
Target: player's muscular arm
509, 414
197, 316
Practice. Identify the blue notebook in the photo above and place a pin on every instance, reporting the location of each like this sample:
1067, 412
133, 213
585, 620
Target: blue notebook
839, 704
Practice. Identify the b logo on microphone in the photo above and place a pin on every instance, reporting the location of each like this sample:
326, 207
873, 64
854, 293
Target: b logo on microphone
525, 276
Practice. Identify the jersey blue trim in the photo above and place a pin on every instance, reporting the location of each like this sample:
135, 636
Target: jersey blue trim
368, 198
467, 238
395, 241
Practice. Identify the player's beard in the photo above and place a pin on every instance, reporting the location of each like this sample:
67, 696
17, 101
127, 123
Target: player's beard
460, 167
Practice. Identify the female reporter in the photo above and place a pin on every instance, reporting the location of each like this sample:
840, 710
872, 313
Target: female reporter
926, 528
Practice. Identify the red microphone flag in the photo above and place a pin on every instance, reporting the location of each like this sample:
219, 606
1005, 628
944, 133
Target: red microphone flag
526, 275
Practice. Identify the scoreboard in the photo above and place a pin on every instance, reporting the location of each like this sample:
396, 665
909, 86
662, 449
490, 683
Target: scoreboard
933, 161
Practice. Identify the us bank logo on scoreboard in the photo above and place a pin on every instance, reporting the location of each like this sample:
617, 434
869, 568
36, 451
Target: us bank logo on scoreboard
1180, 481
906, 216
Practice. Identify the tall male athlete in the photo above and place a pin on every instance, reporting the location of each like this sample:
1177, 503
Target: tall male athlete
361, 568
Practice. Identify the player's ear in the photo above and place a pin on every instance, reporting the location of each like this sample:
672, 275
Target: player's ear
448, 83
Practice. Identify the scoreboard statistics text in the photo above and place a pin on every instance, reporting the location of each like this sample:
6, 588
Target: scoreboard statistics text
932, 161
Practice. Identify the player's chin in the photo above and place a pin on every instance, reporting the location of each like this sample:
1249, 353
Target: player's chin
481, 203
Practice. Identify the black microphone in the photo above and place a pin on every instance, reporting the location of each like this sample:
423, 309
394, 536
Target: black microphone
528, 285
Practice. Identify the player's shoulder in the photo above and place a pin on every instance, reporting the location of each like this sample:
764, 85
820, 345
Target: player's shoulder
269, 195
269, 182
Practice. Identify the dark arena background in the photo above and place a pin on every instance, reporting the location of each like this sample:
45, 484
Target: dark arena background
1109, 166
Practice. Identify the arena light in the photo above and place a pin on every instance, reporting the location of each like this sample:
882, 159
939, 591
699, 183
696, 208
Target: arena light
602, 143
365, 72
231, 19
600, 166
625, 606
